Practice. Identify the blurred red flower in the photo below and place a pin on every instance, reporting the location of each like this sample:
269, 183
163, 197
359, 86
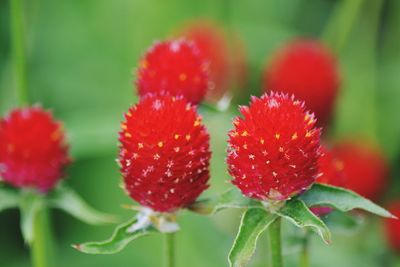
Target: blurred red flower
174, 67
331, 173
364, 168
274, 148
33, 152
164, 153
392, 226
226, 54
307, 69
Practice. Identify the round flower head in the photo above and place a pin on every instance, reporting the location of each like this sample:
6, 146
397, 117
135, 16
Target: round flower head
164, 153
392, 226
33, 152
306, 69
364, 168
176, 68
330, 173
210, 40
274, 149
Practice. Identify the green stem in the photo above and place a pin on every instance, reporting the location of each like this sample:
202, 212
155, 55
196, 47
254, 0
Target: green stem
275, 245
41, 248
304, 254
17, 36
169, 249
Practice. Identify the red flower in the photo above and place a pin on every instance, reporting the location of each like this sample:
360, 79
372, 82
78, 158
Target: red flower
306, 69
331, 173
33, 152
164, 153
392, 226
331, 169
274, 149
174, 67
364, 168
210, 40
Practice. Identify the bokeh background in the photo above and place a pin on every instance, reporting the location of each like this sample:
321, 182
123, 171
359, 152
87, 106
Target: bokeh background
81, 58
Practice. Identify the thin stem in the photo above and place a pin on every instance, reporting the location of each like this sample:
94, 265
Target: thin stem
169, 249
275, 245
17, 36
41, 248
304, 254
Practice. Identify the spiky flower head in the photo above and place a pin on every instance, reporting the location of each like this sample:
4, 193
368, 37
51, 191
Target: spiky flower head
364, 167
174, 67
274, 148
164, 153
33, 152
307, 69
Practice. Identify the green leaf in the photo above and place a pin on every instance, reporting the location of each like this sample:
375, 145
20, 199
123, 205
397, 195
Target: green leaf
342, 222
30, 204
298, 213
119, 239
253, 223
8, 198
230, 199
67, 200
341, 199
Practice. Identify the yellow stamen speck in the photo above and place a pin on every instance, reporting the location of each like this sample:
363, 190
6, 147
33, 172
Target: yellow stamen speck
182, 77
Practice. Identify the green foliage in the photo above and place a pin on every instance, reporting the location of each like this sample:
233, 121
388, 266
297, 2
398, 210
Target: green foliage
254, 222
8, 198
119, 239
232, 198
340, 199
70, 202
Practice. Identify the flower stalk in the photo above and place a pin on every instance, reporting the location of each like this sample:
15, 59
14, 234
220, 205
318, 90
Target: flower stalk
275, 246
17, 37
169, 249
41, 248
304, 253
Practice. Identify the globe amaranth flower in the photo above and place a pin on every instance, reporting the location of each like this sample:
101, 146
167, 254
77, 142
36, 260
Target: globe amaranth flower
164, 153
228, 60
364, 167
307, 69
392, 226
274, 148
33, 152
330, 173
175, 67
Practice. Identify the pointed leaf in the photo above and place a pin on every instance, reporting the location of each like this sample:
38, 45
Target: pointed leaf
30, 204
8, 198
340, 199
342, 222
69, 201
230, 199
299, 214
119, 239
253, 224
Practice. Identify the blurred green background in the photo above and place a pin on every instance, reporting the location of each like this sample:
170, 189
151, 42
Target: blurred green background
81, 56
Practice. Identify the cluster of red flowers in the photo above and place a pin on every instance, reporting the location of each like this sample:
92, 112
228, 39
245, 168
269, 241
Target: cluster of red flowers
274, 150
